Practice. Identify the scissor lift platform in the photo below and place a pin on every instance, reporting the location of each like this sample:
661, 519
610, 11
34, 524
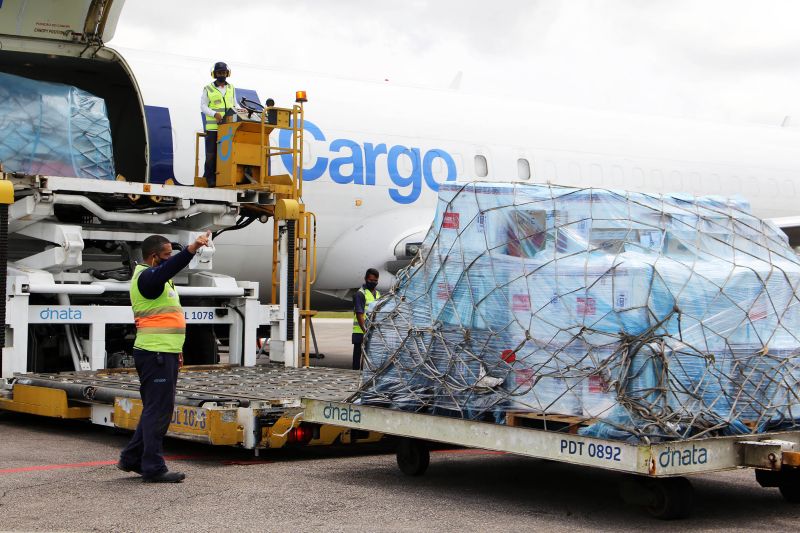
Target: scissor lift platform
250, 407
656, 469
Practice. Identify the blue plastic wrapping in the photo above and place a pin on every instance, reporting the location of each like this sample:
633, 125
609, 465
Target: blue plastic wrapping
639, 316
53, 129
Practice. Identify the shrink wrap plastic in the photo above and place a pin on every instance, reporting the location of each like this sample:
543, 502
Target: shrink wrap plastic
53, 130
643, 316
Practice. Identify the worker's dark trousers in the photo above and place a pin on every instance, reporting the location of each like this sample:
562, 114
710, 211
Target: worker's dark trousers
358, 338
158, 376
210, 170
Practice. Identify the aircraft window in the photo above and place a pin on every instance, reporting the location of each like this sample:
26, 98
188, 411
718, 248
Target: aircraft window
595, 175
617, 177
751, 186
713, 184
771, 187
574, 173
523, 169
656, 182
481, 166
676, 182
695, 182
736, 184
637, 181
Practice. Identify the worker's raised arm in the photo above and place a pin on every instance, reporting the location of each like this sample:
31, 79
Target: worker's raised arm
151, 281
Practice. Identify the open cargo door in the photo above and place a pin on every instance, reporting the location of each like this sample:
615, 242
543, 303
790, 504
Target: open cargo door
61, 41
77, 21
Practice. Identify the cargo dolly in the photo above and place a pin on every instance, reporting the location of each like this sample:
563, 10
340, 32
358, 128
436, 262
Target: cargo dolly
656, 470
247, 407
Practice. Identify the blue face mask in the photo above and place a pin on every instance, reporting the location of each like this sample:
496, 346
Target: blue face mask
371, 285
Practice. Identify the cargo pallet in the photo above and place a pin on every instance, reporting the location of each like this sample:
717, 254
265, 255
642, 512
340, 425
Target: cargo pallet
248, 407
657, 470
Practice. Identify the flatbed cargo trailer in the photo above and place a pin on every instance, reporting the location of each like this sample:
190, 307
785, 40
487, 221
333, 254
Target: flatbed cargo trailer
656, 469
249, 407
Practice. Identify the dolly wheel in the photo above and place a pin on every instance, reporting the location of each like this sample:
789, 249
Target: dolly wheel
413, 457
671, 498
789, 485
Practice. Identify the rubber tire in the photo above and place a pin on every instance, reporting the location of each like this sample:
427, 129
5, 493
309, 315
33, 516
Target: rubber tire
200, 347
673, 498
413, 457
790, 489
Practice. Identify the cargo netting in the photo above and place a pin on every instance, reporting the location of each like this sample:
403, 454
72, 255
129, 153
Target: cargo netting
53, 129
642, 317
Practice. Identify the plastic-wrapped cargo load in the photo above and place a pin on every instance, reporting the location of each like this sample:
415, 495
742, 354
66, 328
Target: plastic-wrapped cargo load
53, 129
641, 316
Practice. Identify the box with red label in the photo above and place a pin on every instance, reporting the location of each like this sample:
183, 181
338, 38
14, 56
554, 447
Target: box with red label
592, 292
598, 396
541, 382
598, 391
472, 222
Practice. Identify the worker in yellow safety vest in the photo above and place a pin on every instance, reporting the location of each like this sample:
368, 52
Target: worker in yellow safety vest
363, 302
157, 352
217, 99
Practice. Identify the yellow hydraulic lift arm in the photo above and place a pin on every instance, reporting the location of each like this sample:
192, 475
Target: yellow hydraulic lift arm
245, 159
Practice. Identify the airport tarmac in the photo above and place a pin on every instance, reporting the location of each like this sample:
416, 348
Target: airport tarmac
60, 475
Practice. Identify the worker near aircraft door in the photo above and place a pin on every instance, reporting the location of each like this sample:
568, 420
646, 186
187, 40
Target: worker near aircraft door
363, 302
157, 352
218, 97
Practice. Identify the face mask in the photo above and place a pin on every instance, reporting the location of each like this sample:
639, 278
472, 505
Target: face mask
221, 79
371, 285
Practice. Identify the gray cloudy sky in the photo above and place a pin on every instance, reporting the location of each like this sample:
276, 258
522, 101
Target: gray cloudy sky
725, 60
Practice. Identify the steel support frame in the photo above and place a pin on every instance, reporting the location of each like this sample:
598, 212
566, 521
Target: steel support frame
666, 459
21, 314
282, 349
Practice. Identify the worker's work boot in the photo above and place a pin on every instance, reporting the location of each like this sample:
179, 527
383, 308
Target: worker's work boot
127, 468
165, 477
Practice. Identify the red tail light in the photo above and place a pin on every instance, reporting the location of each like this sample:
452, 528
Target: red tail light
300, 435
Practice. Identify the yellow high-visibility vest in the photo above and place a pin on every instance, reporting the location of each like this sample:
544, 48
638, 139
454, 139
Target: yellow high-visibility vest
369, 299
160, 322
218, 103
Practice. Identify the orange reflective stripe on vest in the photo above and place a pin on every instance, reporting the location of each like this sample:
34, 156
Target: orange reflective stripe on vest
161, 320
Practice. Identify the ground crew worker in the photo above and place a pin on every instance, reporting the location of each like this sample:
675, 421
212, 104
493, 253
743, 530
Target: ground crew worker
217, 98
157, 352
363, 301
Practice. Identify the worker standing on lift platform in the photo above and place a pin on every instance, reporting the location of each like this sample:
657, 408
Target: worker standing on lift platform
218, 98
157, 351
